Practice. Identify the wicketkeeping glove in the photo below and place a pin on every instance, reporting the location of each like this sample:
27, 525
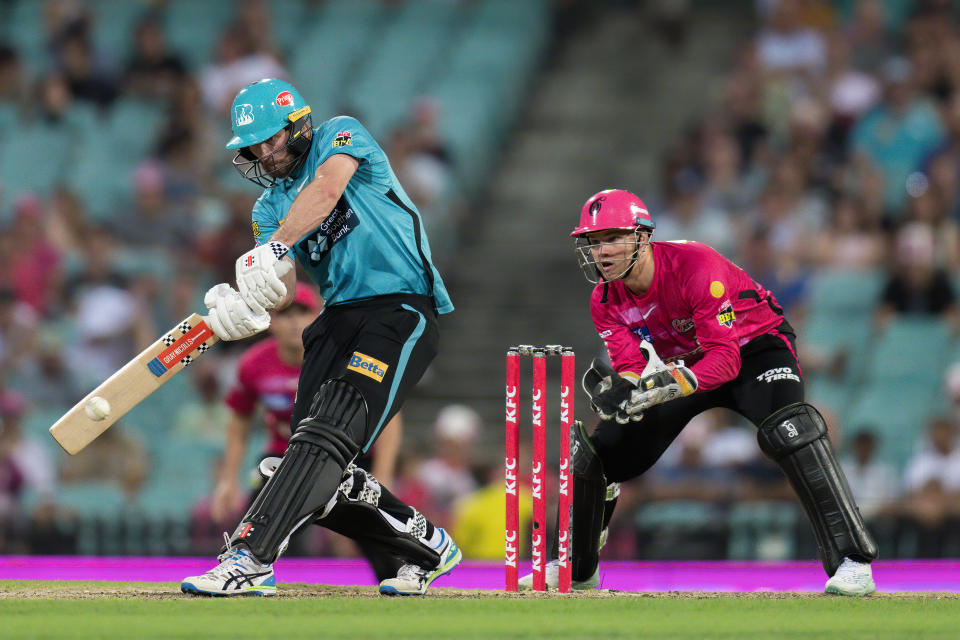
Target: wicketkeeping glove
259, 273
659, 383
609, 392
230, 317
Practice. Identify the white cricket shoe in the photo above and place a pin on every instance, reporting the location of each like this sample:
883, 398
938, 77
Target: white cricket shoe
552, 572
851, 579
413, 580
238, 574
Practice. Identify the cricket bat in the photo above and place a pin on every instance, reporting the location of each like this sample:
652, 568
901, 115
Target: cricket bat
137, 379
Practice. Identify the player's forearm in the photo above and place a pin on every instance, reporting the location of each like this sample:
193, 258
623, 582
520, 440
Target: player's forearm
316, 200
312, 206
386, 449
237, 430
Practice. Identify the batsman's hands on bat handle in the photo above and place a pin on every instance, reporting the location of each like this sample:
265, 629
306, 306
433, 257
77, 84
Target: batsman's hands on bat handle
259, 275
230, 317
659, 383
609, 392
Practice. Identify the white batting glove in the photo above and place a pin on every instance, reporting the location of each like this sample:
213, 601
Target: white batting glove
259, 273
230, 317
659, 383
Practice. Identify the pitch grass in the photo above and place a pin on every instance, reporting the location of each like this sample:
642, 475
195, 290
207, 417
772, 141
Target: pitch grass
82, 610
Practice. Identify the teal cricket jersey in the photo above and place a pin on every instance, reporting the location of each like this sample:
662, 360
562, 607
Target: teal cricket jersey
373, 243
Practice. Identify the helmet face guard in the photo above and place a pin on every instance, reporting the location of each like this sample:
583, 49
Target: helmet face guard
612, 209
260, 111
588, 255
253, 169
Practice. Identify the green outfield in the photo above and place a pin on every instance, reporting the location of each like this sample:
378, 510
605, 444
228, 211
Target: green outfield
132, 611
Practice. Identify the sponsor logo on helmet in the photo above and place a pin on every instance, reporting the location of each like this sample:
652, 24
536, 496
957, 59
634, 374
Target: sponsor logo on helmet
367, 366
716, 289
342, 139
637, 210
682, 325
243, 114
285, 99
726, 315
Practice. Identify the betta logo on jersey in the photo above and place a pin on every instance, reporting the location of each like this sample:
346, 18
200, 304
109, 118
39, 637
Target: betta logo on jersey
284, 99
367, 366
726, 315
342, 139
243, 114
643, 333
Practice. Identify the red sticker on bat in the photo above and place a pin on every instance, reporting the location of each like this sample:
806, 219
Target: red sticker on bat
185, 344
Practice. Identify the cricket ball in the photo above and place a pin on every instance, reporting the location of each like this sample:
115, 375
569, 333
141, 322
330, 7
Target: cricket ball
97, 408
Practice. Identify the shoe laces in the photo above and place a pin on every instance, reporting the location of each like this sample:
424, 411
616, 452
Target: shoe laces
233, 556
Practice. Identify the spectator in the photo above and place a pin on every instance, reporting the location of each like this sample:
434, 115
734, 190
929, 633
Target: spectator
45, 379
447, 474
153, 221
237, 64
874, 484
205, 419
34, 268
916, 284
116, 456
17, 332
785, 44
852, 241
932, 484
153, 71
88, 77
898, 134
25, 465
13, 81
688, 217
478, 518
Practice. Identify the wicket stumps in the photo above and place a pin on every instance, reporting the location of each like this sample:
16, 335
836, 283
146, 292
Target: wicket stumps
538, 467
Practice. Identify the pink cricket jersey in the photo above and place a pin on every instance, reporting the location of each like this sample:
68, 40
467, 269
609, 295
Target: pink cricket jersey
262, 377
700, 308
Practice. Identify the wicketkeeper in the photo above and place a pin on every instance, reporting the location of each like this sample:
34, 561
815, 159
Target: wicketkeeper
687, 330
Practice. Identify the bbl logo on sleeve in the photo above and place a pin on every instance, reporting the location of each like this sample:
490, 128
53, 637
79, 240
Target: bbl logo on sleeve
726, 315
342, 139
367, 366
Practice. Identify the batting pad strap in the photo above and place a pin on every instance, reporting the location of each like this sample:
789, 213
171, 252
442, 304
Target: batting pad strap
790, 429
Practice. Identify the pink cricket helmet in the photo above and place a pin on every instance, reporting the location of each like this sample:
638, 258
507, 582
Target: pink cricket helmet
613, 209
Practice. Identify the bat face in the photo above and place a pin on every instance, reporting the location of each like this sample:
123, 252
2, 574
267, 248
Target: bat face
137, 379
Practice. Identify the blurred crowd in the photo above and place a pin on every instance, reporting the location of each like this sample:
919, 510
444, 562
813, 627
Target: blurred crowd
834, 147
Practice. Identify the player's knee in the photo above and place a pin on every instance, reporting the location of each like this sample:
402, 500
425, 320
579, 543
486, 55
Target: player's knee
789, 429
337, 421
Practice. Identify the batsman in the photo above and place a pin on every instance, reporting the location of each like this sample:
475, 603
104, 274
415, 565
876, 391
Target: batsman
687, 330
332, 202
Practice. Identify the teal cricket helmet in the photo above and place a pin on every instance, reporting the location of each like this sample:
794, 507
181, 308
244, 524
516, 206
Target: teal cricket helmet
260, 111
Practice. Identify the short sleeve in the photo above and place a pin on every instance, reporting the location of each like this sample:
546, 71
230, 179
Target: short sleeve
265, 220
344, 134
